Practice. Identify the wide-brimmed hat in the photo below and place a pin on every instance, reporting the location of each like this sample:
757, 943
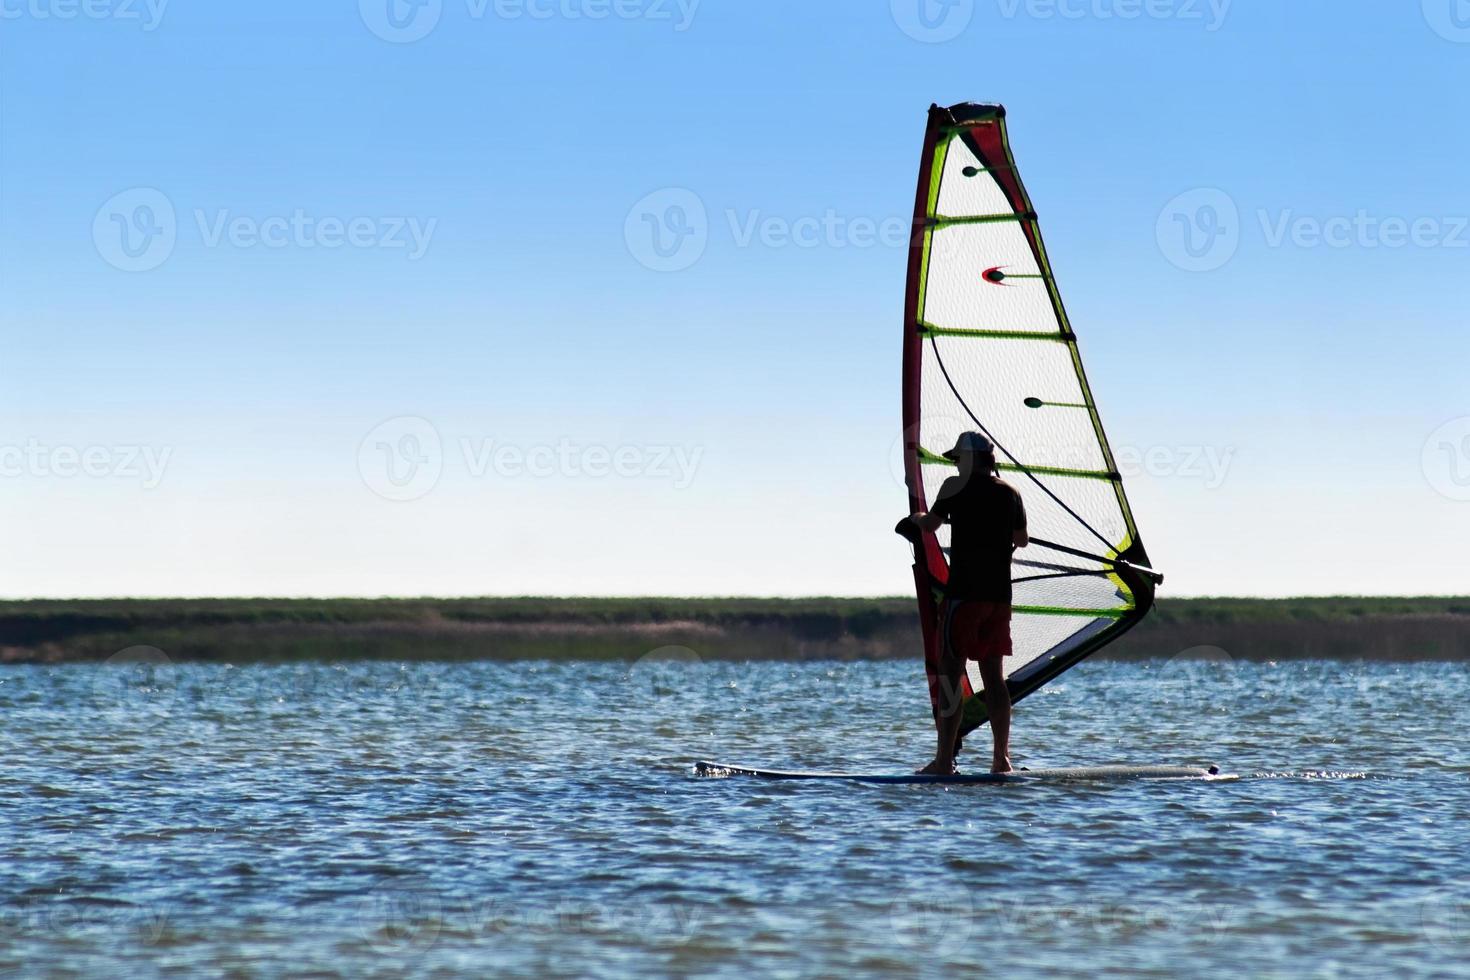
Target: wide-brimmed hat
971, 442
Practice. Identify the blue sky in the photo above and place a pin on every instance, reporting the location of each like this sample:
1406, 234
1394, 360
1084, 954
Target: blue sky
308, 299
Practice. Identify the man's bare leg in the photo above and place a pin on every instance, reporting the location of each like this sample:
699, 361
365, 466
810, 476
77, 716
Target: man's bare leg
998, 707
951, 709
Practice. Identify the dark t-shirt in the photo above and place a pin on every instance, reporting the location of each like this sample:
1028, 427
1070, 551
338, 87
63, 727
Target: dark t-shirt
983, 514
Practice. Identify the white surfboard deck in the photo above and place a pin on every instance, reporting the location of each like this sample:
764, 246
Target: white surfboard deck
719, 770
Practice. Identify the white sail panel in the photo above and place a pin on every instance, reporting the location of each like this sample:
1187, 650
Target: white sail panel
957, 294
1037, 636
968, 188
1004, 376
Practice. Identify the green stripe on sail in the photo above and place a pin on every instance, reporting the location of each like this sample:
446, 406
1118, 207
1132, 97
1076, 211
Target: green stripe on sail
930, 330
1115, 613
945, 221
936, 177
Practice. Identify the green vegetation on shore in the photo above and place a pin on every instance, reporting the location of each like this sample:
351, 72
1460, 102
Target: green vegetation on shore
238, 630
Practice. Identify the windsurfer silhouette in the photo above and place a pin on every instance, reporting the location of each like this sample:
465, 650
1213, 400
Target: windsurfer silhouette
987, 522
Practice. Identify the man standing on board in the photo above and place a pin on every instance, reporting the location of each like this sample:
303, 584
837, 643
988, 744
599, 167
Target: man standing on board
987, 523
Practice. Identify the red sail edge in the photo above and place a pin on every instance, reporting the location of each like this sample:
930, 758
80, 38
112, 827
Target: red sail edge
930, 570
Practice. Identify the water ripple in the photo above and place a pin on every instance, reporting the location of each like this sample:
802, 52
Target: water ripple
542, 820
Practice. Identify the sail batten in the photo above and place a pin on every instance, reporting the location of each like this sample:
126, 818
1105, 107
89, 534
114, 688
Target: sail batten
988, 347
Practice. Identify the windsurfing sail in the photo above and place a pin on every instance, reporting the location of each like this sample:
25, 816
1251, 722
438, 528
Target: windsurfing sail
987, 346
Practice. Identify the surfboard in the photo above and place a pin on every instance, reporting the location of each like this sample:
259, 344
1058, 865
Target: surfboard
718, 770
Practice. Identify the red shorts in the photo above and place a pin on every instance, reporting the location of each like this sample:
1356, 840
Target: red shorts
977, 630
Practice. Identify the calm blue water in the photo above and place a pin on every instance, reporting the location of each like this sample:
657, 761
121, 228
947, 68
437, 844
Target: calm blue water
541, 818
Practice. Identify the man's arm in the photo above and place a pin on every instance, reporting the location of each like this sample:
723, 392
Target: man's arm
935, 518
1019, 536
929, 521
914, 525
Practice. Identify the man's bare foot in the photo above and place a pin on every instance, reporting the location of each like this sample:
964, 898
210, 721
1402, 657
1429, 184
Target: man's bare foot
1001, 766
935, 768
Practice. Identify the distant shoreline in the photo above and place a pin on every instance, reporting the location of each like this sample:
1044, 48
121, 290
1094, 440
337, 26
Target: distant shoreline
254, 630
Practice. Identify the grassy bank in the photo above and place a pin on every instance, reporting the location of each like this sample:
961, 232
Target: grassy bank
240, 630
